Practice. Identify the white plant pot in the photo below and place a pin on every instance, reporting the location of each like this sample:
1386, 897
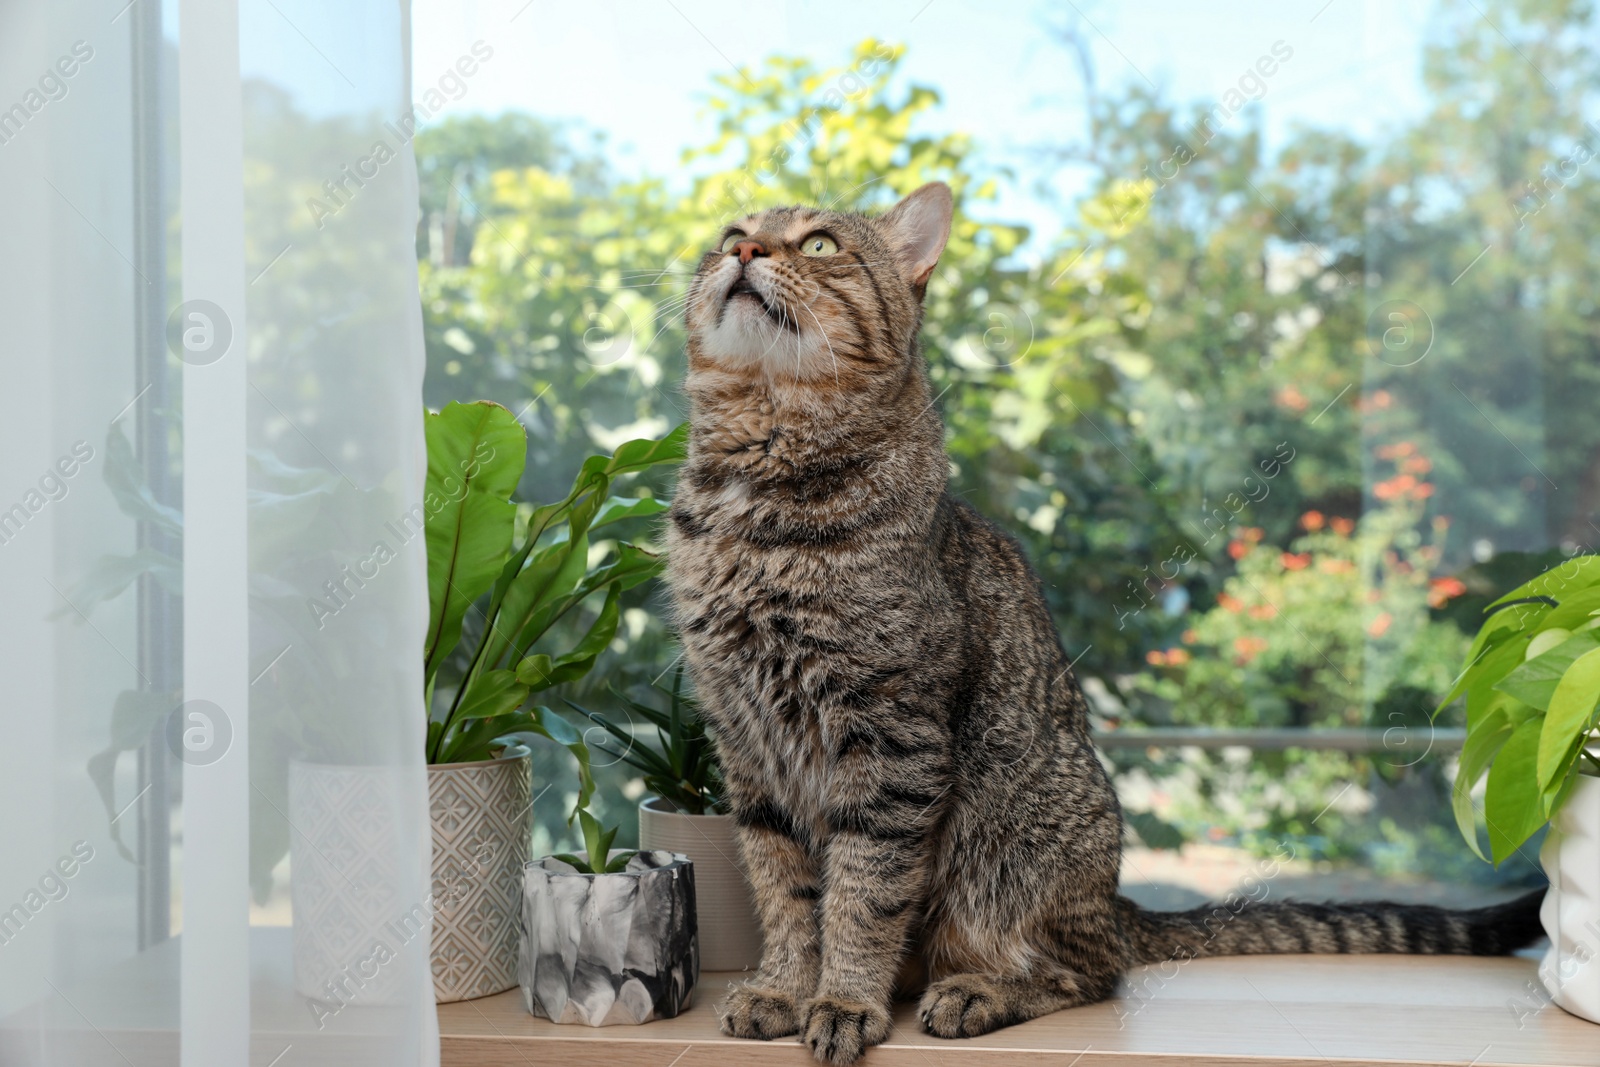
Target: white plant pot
346, 848
1570, 969
730, 932
482, 818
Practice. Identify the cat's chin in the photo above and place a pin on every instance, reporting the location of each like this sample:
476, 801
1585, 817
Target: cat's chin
748, 339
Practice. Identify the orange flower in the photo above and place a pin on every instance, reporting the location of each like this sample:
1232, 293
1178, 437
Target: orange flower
1417, 465
1293, 399
1379, 399
1263, 611
1442, 590
1237, 549
1229, 603
1312, 520
1155, 657
1423, 490
1399, 450
1177, 657
1253, 534
1190, 637
1343, 527
1335, 566
1380, 625
1248, 648
1397, 486
1294, 562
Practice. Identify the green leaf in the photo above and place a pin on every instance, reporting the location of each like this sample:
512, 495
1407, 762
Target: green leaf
490, 694
639, 455
580, 865
537, 598
1575, 610
1483, 741
632, 566
478, 739
517, 591
1495, 665
125, 476
1562, 580
593, 485
631, 751
596, 840
476, 454
621, 507
534, 672
134, 717
1554, 798
1488, 660
109, 576
1534, 682
1570, 716
580, 660
1511, 803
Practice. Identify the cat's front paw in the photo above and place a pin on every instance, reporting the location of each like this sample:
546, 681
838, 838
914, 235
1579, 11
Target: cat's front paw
838, 1031
962, 1006
758, 1012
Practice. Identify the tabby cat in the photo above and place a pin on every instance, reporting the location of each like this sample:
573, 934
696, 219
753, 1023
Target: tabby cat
905, 745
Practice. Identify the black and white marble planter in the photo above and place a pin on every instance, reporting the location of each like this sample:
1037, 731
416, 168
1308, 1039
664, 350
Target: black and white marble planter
608, 949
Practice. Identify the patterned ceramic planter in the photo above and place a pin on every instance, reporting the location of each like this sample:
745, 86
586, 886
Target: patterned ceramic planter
1571, 911
482, 828
730, 932
345, 849
603, 949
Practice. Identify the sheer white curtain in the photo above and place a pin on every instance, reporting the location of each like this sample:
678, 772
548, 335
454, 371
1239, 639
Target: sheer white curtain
210, 353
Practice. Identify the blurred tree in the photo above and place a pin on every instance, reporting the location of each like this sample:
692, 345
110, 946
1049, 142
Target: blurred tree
1203, 351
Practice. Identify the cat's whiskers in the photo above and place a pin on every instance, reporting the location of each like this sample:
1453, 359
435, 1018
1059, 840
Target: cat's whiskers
670, 314
825, 341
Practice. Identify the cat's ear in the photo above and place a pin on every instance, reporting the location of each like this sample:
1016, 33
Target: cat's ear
917, 227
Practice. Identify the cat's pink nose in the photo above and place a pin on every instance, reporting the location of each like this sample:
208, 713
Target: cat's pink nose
747, 249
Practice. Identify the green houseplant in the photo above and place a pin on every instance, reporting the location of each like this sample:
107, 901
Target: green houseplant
681, 766
688, 814
499, 585
1532, 686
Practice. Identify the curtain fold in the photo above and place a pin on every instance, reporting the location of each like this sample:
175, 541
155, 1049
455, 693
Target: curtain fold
215, 848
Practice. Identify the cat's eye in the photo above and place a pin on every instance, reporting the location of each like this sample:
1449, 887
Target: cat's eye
732, 239
818, 244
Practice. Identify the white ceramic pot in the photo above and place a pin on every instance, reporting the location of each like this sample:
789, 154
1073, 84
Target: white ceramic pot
730, 933
482, 816
1570, 969
346, 847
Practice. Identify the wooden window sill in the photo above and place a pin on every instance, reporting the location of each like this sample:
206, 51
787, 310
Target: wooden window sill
1309, 1010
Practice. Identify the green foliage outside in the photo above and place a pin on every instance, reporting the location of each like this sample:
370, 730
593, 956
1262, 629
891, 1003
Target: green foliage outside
1252, 502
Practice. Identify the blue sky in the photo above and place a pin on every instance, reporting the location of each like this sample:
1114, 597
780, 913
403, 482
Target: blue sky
638, 69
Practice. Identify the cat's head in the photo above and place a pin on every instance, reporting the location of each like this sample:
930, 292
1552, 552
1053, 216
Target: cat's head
821, 296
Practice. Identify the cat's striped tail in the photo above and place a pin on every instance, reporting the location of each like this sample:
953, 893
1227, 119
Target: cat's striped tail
1246, 927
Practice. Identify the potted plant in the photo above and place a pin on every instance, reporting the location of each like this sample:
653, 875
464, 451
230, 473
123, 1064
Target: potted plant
478, 690
1532, 684
687, 813
610, 940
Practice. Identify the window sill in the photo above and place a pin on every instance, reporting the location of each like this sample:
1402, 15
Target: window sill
1286, 1009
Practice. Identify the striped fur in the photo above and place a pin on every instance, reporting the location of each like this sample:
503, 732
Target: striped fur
905, 744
